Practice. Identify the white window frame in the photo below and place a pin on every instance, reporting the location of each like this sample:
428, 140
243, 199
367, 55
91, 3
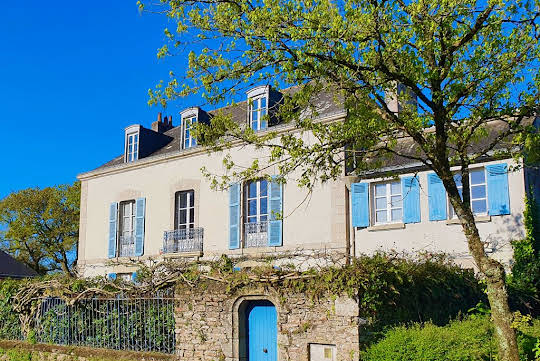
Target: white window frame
256, 107
389, 204
122, 217
190, 199
132, 139
187, 123
258, 197
452, 214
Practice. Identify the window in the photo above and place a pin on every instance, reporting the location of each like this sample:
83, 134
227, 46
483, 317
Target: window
189, 140
478, 185
256, 206
388, 202
126, 237
258, 110
185, 209
132, 151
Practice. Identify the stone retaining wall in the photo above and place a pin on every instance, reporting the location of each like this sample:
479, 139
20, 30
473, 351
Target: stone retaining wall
209, 322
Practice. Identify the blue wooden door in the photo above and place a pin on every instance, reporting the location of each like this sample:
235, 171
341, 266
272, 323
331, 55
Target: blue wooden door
262, 331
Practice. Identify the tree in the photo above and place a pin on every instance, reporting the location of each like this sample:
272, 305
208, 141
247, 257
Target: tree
467, 62
41, 227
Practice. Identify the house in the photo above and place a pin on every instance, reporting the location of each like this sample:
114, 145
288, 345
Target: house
152, 201
11, 268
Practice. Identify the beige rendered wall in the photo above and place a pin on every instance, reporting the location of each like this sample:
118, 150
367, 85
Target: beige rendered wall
448, 237
309, 223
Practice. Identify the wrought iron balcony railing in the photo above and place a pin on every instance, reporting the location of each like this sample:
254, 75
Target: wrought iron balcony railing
126, 246
183, 240
256, 234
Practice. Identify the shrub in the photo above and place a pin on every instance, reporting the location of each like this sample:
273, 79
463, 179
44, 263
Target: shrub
471, 339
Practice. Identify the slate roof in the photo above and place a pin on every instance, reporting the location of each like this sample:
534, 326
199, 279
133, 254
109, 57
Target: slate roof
11, 268
407, 146
326, 106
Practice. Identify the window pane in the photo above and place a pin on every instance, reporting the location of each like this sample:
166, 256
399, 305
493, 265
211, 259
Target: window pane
136, 136
263, 124
380, 203
380, 216
457, 179
254, 115
478, 191
252, 207
397, 202
397, 214
395, 188
264, 188
478, 176
183, 199
130, 139
263, 206
263, 102
183, 216
252, 220
255, 125
191, 214
263, 218
380, 189
252, 189
479, 206
192, 199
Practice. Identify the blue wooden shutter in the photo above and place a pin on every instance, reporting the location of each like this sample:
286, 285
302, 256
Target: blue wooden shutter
234, 216
140, 205
497, 188
411, 199
111, 276
437, 198
275, 227
360, 204
113, 226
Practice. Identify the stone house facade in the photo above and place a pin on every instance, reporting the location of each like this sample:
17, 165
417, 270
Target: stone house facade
152, 201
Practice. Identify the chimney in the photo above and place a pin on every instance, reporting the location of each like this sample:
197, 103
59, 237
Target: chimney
399, 97
161, 125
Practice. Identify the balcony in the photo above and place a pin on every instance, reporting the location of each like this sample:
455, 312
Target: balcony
256, 234
126, 246
188, 240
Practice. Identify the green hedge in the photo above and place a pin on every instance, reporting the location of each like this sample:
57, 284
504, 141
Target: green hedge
471, 340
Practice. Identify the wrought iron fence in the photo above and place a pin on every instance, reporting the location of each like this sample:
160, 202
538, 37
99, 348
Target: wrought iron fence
183, 240
143, 324
126, 246
256, 234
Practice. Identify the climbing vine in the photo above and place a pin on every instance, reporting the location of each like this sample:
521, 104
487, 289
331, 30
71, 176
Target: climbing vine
390, 288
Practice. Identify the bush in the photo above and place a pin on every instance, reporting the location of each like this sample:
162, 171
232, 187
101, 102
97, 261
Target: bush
471, 339
10, 328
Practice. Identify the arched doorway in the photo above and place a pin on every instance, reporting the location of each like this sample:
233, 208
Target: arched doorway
259, 332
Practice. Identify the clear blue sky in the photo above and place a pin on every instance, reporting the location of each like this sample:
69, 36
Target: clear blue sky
72, 76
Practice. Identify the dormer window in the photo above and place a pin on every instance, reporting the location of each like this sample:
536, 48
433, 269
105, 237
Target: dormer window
190, 117
132, 151
258, 107
189, 140
132, 143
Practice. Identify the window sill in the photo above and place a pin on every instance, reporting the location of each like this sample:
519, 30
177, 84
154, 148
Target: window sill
386, 227
478, 219
182, 254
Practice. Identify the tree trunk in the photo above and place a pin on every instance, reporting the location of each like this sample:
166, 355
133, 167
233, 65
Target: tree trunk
494, 274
